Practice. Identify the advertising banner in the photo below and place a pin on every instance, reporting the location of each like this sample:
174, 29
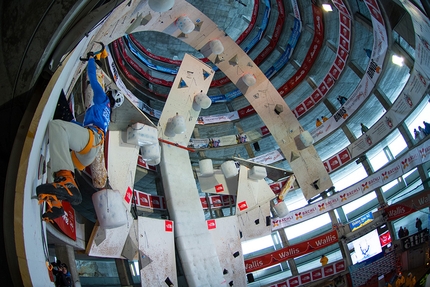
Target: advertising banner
67, 222
383, 176
408, 206
290, 252
360, 222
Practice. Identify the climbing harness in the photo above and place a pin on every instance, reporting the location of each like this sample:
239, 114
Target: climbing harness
91, 130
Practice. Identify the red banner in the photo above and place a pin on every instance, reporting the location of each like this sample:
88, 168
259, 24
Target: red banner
67, 222
408, 206
290, 252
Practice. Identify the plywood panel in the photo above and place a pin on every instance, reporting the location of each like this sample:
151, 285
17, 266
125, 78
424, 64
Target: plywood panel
156, 251
208, 184
251, 193
226, 237
252, 224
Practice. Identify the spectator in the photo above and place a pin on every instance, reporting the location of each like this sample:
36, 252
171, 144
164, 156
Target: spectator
417, 135
368, 52
318, 123
410, 280
422, 131
418, 224
324, 118
401, 232
62, 276
406, 231
323, 260
342, 100
400, 280
364, 129
426, 127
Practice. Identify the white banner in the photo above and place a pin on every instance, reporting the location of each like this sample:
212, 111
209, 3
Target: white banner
383, 176
380, 45
228, 117
119, 83
268, 158
422, 37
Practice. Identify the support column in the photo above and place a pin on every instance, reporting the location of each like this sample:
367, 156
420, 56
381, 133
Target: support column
66, 254
124, 273
286, 243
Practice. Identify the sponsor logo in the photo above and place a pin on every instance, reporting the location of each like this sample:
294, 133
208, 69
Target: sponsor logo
289, 252
343, 197
373, 67
321, 206
340, 114
405, 163
299, 215
325, 241
254, 264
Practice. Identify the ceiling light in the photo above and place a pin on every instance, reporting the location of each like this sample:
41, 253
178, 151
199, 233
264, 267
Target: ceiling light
397, 60
327, 7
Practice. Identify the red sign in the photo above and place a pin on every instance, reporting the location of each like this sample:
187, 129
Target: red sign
328, 270
155, 201
305, 278
323, 88
291, 251
328, 80
345, 32
344, 156
211, 224
316, 95
204, 202
385, 238
168, 225
339, 266
334, 163
316, 274
294, 282
219, 188
344, 19
144, 199
309, 103
227, 200
128, 195
242, 205
264, 131
344, 43
300, 109
326, 166
67, 222
339, 63
282, 284
342, 54
334, 72
408, 206
246, 111
216, 201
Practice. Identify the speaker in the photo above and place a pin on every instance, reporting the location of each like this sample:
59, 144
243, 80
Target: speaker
250, 277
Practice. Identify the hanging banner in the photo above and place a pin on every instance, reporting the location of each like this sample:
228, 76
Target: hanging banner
409, 205
381, 177
67, 222
291, 251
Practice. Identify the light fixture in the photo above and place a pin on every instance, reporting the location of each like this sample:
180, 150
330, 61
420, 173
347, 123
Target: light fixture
185, 24
216, 46
327, 7
201, 101
397, 60
161, 5
249, 79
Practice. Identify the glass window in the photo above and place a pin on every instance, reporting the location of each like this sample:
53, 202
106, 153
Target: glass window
253, 245
390, 185
398, 145
347, 208
346, 177
379, 160
418, 116
307, 226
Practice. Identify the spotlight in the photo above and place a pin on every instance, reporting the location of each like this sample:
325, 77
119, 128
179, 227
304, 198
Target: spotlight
327, 7
397, 60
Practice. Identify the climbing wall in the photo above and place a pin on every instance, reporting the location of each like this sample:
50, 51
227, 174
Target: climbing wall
196, 248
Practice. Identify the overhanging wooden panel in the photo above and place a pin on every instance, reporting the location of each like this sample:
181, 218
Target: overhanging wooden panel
156, 251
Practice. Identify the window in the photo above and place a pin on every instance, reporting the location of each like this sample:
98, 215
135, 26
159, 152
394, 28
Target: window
253, 245
347, 208
379, 160
307, 226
